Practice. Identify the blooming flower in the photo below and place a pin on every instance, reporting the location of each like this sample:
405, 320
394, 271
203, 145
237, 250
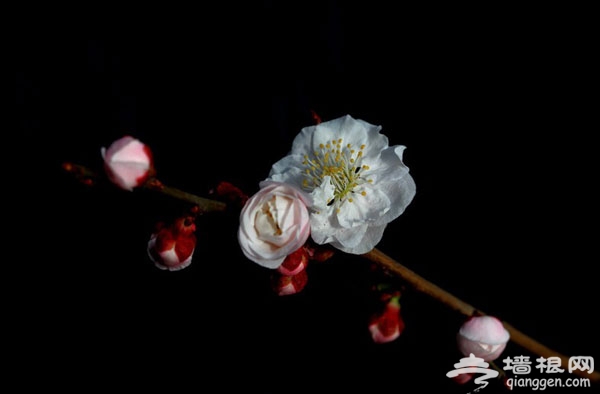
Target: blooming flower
483, 336
388, 325
274, 222
127, 162
172, 247
358, 183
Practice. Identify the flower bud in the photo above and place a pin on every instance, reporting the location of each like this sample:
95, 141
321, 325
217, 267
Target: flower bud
171, 247
287, 285
483, 336
294, 263
230, 193
318, 253
127, 162
387, 325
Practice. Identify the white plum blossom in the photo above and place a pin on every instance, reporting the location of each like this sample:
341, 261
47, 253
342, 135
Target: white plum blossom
357, 181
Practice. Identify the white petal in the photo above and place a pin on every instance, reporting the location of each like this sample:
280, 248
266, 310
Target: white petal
310, 138
256, 251
370, 239
288, 170
368, 208
321, 230
282, 239
375, 141
350, 237
402, 192
264, 224
133, 151
285, 189
352, 131
323, 194
185, 263
388, 165
282, 212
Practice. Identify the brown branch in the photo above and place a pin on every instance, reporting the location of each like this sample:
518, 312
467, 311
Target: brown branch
89, 177
204, 204
422, 285
414, 280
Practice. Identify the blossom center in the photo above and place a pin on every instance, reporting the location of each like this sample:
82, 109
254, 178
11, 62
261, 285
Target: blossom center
342, 163
265, 220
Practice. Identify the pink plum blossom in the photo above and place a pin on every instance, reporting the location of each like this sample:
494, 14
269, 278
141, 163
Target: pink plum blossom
127, 162
483, 336
274, 223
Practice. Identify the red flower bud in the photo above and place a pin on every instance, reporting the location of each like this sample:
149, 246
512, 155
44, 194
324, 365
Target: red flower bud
230, 193
171, 246
287, 285
387, 325
315, 116
323, 254
318, 253
294, 263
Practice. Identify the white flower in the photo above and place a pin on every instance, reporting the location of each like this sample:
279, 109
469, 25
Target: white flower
358, 183
274, 223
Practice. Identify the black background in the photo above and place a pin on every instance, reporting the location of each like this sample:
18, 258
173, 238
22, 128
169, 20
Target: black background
494, 106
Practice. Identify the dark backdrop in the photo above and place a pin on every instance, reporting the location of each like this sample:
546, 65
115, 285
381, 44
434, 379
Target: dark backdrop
494, 107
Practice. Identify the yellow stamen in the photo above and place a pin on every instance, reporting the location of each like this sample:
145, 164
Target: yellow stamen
342, 164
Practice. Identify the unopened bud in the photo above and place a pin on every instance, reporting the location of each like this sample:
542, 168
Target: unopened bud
128, 162
387, 325
294, 263
171, 247
483, 336
287, 285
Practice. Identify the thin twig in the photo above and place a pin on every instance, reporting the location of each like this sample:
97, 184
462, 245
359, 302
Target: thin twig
411, 278
88, 176
422, 285
204, 204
